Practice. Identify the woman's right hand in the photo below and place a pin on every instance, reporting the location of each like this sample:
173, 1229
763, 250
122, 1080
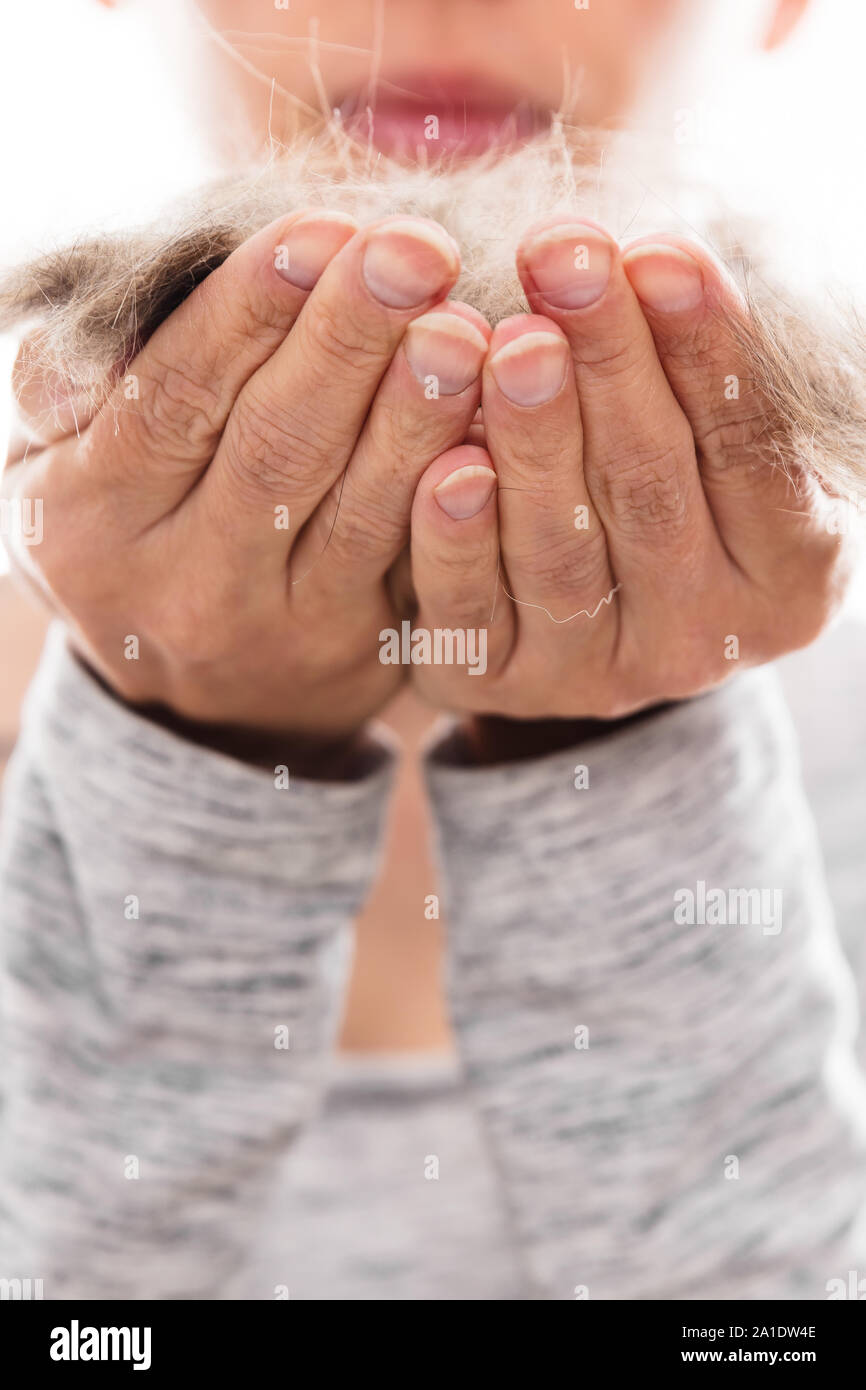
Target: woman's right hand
218, 537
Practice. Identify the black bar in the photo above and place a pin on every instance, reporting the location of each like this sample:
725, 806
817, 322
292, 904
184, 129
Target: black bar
281, 1337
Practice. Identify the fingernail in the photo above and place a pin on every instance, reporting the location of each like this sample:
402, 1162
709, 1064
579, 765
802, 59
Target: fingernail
665, 278
447, 349
531, 369
310, 244
406, 262
465, 491
570, 265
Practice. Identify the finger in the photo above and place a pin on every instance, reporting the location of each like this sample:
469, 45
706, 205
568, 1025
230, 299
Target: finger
455, 558
297, 421
638, 454
424, 406
161, 427
698, 319
553, 544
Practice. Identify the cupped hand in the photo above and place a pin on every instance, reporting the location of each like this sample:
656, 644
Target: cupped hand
218, 537
620, 528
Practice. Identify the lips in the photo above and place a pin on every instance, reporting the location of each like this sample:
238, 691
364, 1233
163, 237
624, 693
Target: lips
424, 116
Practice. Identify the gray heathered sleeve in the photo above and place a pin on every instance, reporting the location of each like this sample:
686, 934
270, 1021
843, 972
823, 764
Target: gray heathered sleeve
673, 1107
169, 920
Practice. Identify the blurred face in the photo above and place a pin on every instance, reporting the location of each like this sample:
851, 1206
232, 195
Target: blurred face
457, 75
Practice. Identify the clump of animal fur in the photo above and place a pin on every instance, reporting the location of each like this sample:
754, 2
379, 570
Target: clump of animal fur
95, 303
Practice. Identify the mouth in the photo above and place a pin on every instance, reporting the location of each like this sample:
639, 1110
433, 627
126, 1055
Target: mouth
422, 117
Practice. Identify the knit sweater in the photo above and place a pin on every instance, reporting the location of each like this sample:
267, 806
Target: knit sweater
656, 1093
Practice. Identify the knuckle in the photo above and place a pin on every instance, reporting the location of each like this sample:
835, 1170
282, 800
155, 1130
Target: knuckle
268, 448
697, 347
367, 532
531, 444
471, 608
261, 447
260, 318
341, 340
455, 566
413, 433
400, 433
463, 588
462, 614
575, 566
724, 439
183, 410
646, 490
614, 355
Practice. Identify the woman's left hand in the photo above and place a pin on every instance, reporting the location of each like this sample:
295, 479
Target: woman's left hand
624, 493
